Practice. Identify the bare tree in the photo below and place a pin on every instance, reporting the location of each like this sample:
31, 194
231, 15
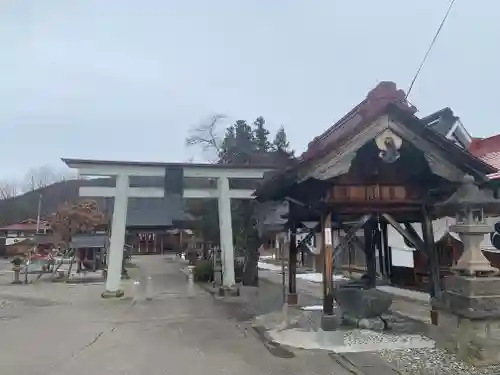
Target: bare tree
40, 177
8, 189
206, 135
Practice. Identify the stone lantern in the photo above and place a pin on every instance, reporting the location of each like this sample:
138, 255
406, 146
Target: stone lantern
470, 206
468, 309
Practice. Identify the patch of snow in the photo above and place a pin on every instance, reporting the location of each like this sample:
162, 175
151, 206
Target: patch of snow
268, 266
266, 257
353, 340
312, 308
318, 277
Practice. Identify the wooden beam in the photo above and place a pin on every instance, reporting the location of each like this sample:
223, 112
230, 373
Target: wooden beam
381, 194
421, 245
418, 244
350, 235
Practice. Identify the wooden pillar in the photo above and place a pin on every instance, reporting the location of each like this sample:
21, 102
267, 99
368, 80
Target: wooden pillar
371, 266
327, 250
433, 261
319, 258
386, 250
281, 244
292, 262
379, 241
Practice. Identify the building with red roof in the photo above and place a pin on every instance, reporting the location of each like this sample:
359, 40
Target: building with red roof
488, 150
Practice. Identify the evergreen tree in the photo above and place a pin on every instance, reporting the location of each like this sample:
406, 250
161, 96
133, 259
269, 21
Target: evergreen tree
228, 148
261, 135
280, 142
244, 145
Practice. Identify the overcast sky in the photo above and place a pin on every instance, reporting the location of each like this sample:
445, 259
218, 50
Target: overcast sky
126, 79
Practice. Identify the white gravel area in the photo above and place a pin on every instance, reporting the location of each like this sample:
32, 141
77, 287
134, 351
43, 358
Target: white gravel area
432, 361
356, 340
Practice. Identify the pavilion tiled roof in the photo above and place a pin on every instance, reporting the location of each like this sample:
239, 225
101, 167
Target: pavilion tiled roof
488, 150
382, 99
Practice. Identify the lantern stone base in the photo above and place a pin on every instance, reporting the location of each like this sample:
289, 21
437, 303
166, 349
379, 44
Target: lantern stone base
330, 322
112, 294
229, 291
468, 318
292, 299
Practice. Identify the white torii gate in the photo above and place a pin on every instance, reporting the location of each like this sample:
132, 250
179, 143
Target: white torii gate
123, 170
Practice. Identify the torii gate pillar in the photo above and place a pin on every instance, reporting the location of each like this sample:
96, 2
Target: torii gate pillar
226, 233
117, 240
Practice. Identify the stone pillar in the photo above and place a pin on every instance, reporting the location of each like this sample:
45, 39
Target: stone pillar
190, 281
117, 241
226, 233
469, 318
217, 264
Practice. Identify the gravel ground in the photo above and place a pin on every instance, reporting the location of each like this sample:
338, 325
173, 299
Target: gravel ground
363, 336
433, 362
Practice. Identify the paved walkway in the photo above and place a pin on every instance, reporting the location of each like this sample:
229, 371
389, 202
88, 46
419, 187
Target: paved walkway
51, 329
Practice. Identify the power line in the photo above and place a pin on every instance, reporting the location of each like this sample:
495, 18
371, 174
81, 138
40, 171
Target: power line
430, 47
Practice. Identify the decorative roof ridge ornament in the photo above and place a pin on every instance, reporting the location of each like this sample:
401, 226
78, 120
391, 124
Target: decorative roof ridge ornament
470, 205
384, 93
388, 143
378, 98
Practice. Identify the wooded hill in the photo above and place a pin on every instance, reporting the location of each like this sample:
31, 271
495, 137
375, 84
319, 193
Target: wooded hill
25, 206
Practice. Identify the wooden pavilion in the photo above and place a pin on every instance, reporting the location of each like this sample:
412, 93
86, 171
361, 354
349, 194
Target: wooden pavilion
379, 165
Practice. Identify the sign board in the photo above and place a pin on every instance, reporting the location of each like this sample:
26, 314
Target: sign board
328, 236
371, 193
174, 180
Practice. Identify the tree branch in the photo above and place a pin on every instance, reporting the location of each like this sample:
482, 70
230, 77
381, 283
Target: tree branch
206, 135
